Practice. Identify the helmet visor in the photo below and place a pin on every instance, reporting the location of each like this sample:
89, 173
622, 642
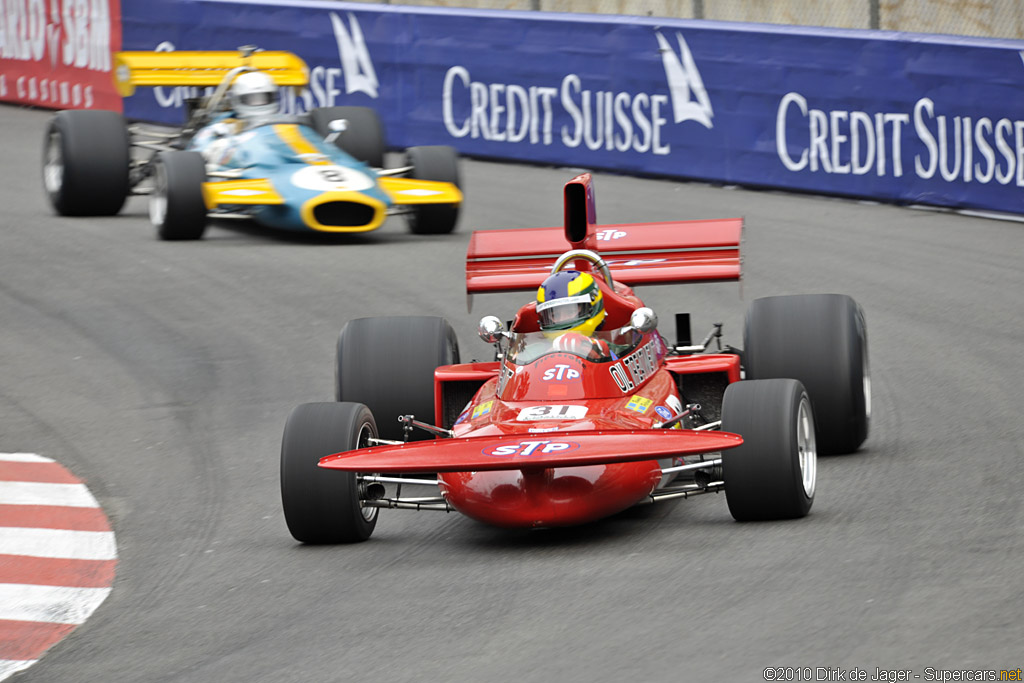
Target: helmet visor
561, 314
258, 99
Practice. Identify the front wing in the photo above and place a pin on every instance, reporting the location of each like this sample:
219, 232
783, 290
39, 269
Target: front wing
531, 451
259, 191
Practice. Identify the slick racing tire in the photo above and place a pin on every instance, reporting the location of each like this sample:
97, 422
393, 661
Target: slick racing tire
821, 340
362, 139
85, 163
321, 505
176, 206
772, 475
388, 364
434, 162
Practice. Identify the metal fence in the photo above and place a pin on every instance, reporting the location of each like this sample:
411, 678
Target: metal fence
987, 18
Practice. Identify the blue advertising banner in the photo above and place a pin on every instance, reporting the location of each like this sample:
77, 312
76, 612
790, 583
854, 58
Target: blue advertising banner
889, 116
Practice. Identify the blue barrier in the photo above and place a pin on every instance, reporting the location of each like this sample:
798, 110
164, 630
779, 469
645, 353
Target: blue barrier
888, 116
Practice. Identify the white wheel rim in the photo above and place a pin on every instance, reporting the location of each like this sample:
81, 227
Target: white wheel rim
53, 168
867, 381
369, 513
158, 198
806, 447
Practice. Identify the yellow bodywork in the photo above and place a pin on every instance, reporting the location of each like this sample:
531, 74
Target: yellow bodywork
249, 192
197, 68
380, 212
414, 191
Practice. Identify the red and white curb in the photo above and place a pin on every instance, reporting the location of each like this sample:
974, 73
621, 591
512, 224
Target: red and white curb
57, 557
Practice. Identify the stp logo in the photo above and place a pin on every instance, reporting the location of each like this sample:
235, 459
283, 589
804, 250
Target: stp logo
609, 235
560, 372
528, 448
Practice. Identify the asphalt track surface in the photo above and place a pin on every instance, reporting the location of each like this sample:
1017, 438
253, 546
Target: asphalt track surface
162, 375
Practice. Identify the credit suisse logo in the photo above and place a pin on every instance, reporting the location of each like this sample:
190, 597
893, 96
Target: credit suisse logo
533, 447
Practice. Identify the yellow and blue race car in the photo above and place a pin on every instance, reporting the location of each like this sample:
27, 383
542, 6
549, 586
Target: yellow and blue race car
320, 171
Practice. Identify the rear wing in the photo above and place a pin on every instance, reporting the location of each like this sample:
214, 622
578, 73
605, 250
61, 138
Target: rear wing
132, 69
636, 253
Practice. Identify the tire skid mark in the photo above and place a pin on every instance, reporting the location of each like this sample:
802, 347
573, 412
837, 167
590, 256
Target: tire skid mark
57, 557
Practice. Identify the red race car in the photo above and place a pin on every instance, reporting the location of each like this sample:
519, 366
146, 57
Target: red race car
571, 424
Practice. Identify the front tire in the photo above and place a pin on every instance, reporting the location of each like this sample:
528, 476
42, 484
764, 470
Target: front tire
85, 163
363, 139
176, 206
388, 364
821, 340
773, 473
321, 505
434, 162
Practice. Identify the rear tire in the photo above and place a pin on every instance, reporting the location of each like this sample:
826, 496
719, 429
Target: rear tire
434, 162
322, 505
362, 139
85, 163
772, 475
821, 340
176, 206
388, 364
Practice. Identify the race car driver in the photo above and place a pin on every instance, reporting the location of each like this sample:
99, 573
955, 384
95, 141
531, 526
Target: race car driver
254, 94
570, 308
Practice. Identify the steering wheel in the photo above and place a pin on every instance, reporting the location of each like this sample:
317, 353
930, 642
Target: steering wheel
587, 255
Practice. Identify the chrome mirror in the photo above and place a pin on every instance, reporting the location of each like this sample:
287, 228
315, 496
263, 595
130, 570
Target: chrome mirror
491, 329
643, 319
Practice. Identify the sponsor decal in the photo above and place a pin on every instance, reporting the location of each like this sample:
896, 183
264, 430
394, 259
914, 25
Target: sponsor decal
528, 448
331, 179
674, 403
609, 235
507, 372
552, 412
634, 369
57, 53
848, 142
621, 121
482, 409
417, 192
663, 412
634, 261
560, 372
639, 404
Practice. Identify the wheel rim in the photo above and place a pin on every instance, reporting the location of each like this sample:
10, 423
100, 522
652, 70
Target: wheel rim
158, 198
365, 433
53, 167
867, 381
806, 447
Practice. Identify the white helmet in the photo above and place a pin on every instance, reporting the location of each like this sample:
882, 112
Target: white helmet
254, 93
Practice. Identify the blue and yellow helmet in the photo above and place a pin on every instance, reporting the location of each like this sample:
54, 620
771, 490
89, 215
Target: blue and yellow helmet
570, 301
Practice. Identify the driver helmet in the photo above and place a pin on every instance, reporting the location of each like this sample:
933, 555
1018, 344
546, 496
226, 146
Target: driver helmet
570, 301
254, 93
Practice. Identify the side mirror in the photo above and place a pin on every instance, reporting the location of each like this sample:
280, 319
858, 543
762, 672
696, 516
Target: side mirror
491, 329
643, 319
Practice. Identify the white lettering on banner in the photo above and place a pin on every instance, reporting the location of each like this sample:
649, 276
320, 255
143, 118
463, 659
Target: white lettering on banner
74, 32
855, 142
602, 119
52, 92
356, 64
684, 79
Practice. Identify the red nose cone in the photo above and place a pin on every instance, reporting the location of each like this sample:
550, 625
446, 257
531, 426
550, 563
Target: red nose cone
561, 496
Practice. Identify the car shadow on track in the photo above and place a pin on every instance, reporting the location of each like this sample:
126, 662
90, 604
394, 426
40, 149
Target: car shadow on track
227, 230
